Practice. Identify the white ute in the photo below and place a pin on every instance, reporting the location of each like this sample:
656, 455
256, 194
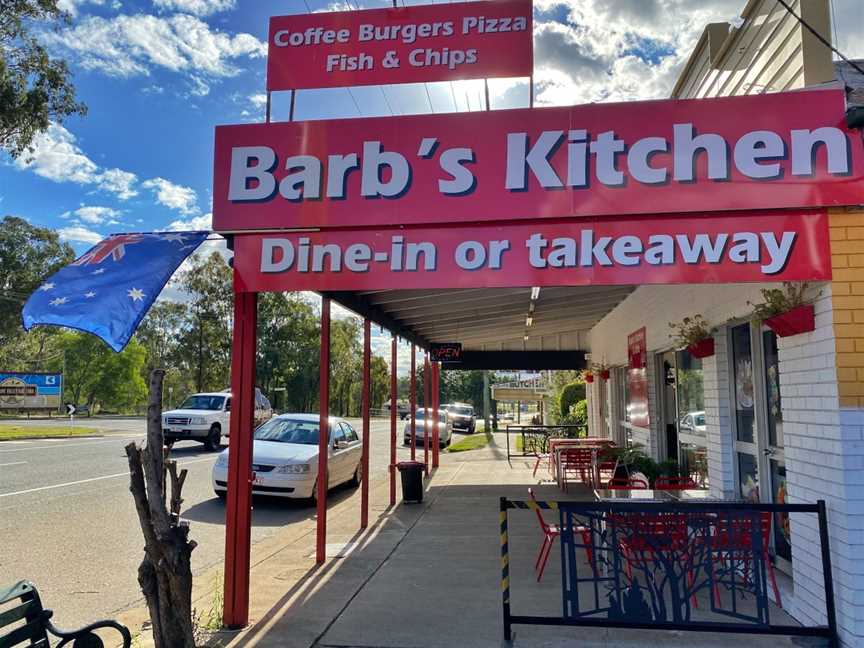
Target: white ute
206, 418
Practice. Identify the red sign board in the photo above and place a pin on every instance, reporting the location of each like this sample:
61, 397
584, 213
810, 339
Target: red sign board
471, 40
704, 249
637, 379
792, 151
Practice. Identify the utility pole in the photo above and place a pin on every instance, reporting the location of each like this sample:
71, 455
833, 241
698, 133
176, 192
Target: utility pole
486, 405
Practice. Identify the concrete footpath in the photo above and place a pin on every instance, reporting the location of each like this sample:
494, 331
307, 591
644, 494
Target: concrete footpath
424, 575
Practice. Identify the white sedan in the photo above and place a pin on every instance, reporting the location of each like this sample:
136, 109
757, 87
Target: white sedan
285, 457
445, 428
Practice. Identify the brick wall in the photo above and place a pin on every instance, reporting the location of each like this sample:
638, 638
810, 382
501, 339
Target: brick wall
718, 419
847, 262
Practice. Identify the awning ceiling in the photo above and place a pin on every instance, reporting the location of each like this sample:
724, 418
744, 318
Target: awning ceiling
490, 319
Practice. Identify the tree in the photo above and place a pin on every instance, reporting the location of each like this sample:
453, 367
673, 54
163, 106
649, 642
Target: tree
205, 345
28, 254
571, 394
97, 376
35, 89
379, 385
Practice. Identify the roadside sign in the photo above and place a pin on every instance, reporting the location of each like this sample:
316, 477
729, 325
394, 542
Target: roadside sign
472, 40
70, 409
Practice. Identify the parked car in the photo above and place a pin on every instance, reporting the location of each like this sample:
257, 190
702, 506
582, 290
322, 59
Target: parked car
285, 457
423, 426
461, 416
206, 418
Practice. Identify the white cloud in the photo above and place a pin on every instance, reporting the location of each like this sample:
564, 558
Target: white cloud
127, 46
71, 6
93, 215
258, 100
197, 7
203, 222
174, 196
79, 235
56, 156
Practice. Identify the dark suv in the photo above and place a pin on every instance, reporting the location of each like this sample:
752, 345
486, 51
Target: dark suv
461, 417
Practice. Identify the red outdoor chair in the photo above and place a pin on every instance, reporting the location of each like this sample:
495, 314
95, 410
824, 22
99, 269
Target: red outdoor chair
540, 459
644, 535
627, 483
675, 483
732, 539
550, 534
577, 465
607, 464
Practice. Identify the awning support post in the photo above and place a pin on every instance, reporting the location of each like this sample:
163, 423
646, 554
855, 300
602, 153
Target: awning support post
238, 511
436, 405
364, 476
393, 417
323, 433
413, 401
427, 392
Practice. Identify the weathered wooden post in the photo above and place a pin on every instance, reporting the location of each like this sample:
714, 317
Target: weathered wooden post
165, 573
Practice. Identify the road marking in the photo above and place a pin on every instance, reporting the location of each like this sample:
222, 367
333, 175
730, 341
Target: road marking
14, 463
67, 445
91, 479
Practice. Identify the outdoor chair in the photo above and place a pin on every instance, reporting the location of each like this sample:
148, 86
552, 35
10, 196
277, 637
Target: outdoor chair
646, 539
627, 483
607, 464
675, 483
550, 534
577, 464
732, 540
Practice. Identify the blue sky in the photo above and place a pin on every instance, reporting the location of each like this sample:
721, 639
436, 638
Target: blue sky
158, 75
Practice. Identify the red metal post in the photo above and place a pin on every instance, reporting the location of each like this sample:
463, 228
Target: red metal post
238, 512
413, 402
364, 477
393, 417
324, 432
427, 391
436, 406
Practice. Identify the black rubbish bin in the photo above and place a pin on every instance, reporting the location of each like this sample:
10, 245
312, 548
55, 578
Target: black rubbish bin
412, 480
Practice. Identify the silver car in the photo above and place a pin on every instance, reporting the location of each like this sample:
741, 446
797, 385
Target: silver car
445, 428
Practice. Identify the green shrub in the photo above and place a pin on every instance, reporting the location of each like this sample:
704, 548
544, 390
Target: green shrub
570, 395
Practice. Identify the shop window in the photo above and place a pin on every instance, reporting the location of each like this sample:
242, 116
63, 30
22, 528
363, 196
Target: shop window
692, 429
748, 477
742, 358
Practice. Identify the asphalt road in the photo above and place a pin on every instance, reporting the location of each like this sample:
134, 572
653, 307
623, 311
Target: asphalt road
68, 522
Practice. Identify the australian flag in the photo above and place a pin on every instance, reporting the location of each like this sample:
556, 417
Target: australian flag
109, 289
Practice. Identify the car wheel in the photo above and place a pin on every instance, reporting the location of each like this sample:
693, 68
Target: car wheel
313, 499
214, 438
221, 494
357, 477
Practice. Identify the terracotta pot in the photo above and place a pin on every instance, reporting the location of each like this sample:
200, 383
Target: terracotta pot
604, 375
800, 319
702, 348
589, 378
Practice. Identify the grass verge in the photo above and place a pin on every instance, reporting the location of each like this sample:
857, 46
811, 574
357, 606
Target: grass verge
472, 442
9, 432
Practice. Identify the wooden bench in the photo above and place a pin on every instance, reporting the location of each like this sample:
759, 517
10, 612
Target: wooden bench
24, 622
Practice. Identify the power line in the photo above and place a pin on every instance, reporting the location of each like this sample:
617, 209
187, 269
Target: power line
821, 38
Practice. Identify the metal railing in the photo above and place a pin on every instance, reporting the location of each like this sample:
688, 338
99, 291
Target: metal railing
535, 438
688, 566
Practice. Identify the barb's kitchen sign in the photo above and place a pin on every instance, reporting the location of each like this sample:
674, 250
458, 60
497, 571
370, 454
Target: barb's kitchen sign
708, 248
472, 40
792, 151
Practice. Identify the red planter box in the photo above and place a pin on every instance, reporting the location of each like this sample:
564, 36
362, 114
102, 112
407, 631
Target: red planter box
702, 349
800, 319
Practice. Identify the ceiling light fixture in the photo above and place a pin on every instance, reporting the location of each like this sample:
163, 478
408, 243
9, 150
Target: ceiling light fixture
535, 293
529, 321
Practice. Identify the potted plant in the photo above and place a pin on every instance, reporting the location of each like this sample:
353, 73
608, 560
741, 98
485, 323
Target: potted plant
601, 370
634, 460
784, 310
694, 334
588, 377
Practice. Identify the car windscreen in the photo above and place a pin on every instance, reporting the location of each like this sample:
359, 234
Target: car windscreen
288, 431
442, 416
700, 419
463, 411
203, 402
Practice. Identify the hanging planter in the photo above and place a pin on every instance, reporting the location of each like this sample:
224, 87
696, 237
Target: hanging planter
604, 374
589, 378
801, 319
702, 348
